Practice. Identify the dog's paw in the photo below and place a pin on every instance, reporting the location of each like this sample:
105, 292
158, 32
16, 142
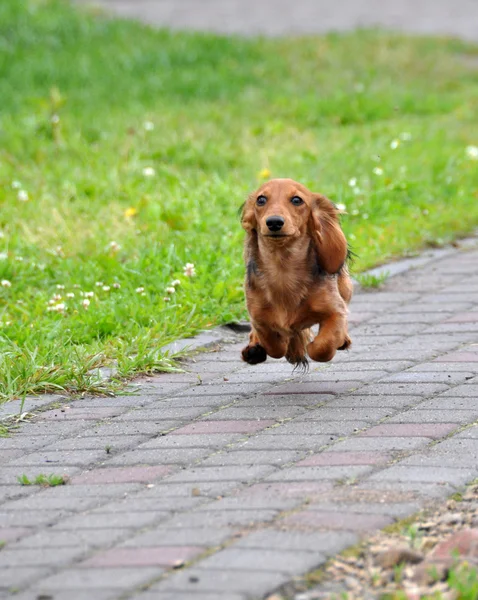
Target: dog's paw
254, 354
347, 343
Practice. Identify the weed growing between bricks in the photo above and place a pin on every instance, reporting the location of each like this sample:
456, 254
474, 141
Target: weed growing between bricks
433, 554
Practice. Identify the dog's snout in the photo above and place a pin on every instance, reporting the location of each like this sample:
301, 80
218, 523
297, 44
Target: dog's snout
275, 223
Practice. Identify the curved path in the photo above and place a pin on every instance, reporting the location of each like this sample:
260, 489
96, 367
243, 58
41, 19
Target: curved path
227, 481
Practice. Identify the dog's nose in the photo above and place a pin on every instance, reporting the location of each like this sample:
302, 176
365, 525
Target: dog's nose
275, 223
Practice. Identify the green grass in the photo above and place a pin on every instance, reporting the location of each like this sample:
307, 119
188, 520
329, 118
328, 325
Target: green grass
369, 281
78, 94
44, 480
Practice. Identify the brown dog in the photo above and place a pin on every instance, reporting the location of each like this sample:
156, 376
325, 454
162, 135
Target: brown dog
295, 252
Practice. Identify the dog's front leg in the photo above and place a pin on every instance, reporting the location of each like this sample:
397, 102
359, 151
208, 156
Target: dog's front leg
332, 336
264, 341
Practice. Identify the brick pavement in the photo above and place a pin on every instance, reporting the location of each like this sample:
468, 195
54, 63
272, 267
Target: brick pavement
231, 487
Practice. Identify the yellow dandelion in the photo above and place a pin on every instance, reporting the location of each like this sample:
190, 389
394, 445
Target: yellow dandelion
130, 212
264, 174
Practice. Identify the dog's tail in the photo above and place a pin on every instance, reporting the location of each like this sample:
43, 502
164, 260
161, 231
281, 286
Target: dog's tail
297, 350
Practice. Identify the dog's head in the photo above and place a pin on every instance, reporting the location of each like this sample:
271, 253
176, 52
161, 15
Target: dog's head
282, 210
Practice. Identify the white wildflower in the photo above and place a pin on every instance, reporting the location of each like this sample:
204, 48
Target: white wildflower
189, 270
6, 283
57, 308
149, 172
353, 182
170, 290
89, 294
2, 235
116, 285
85, 303
365, 216
114, 246
139, 290
166, 299
378, 170
55, 119
394, 144
341, 207
99, 284
175, 282
70, 295
106, 288
405, 136
472, 152
357, 190
148, 125
57, 297
22, 196
16, 185
19, 258
3, 256
60, 287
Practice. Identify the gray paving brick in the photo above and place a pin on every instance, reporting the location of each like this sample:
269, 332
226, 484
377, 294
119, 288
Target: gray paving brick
203, 440
115, 443
33, 519
228, 473
435, 416
224, 389
106, 490
69, 594
462, 391
419, 489
366, 414
87, 538
454, 476
398, 511
40, 502
287, 441
275, 560
16, 577
159, 456
146, 503
318, 473
446, 367
414, 389
207, 489
64, 458
361, 444
285, 399
95, 520
167, 536
317, 427
132, 428
388, 401
187, 596
222, 518
243, 501
469, 433
252, 457
37, 557
89, 579
324, 542
168, 411
277, 412
202, 580
428, 377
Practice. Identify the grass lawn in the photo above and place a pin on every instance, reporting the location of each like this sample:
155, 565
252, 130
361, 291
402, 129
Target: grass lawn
125, 153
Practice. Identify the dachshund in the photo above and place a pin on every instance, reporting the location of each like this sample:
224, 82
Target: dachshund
296, 274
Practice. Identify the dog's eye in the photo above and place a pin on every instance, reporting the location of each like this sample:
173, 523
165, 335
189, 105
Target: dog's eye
296, 201
261, 200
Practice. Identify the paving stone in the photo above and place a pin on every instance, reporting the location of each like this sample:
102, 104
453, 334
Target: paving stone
34, 519
222, 518
312, 519
324, 542
378, 444
26, 443
106, 490
166, 412
89, 579
122, 475
210, 427
114, 443
202, 580
332, 376
469, 433
288, 442
144, 502
219, 389
272, 412
274, 400
206, 489
37, 557
187, 596
428, 377
462, 391
227, 473
163, 556
447, 367
75, 413
159, 456
319, 473
414, 389
12, 534
454, 476
17, 577
244, 501
69, 594
419, 489
210, 441
328, 459
434, 430
440, 403
459, 356
40, 502
295, 489
106, 520
275, 560
86, 538
164, 535
252, 457
65, 458
133, 428
295, 427
356, 413
315, 387
356, 400
397, 510
435, 416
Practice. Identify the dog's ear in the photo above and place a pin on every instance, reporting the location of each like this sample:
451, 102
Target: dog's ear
248, 215
328, 237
